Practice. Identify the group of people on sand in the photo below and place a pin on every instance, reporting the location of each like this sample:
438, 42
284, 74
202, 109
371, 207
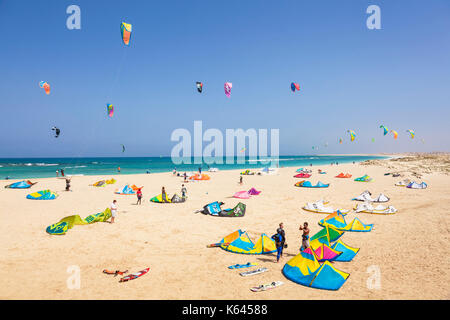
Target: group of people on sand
280, 239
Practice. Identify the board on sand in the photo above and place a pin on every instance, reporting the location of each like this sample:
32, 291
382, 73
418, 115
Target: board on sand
218, 244
267, 286
253, 272
133, 276
239, 266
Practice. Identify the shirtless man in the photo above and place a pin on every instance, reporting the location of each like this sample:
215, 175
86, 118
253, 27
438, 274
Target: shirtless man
305, 236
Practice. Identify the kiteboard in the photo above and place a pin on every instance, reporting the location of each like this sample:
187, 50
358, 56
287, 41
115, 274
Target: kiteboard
267, 286
133, 276
253, 272
240, 266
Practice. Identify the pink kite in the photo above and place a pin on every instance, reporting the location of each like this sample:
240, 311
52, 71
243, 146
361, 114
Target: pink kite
253, 192
302, 175
242, 195
227, 87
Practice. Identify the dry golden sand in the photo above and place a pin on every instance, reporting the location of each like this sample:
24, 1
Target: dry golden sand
411, 247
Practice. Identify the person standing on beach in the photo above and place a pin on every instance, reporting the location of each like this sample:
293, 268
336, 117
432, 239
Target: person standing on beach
62, 172
185, 177
57, 173
118, 169
163, 195
240, 180
183, 191
200, 170
139, 195
305, 236
280, 239
113, 208
67, 184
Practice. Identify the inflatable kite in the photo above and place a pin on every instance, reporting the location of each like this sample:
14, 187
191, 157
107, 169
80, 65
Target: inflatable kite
67, 223
57, 131
352, 135
385, 130
45, 86
295, 86
411, 132
214, 209
42, 195
227, 88
20, 185
110, 110
125, 31
199, 87
240, 242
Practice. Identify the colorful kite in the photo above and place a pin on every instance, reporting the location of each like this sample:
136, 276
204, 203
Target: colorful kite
110, 110
45, 86
199, 87
125, 31
395, 134
411, 132
295, 86
227, 87
385, 129
352, 135
340, 140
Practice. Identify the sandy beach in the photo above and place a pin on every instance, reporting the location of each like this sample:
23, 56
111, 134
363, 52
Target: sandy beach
411, 247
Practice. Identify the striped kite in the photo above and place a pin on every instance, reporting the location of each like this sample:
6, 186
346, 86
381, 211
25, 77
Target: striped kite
352, 135
125, 31
110, 110
411, 132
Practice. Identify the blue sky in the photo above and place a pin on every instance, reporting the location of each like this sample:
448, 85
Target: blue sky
350, 77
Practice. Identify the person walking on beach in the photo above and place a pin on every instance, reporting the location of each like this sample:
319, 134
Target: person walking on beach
57, 173
113, 208
163, 195
62, 172
185, 177
118, 169
183, 191
280, 239
139, 195
67, 184
305, 236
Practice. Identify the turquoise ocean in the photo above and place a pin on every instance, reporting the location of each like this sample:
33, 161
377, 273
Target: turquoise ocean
28, 168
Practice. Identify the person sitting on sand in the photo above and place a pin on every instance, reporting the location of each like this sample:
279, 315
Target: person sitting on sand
139, 195
113, 210
163, 195
305, 236
280, 238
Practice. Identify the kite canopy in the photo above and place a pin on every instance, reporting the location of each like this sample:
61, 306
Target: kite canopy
364, 178
67, 223
215, 209
21, 185
45, 86
325, 253
175, 199
319, 207
125, 190
43, 195
403, 183
110, 110
227, 87
57, 131
342, 175
125, 31
348, 253
352, 135
101, 183
330, 233
338, 222
242, 195
295, 86
111, 181
244, 245
306, 270
385, 130
253, 192
200, 177
199, 86
414, 185
302, 175
366, 196
411, 132
366, 207
307, 184
247, 173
